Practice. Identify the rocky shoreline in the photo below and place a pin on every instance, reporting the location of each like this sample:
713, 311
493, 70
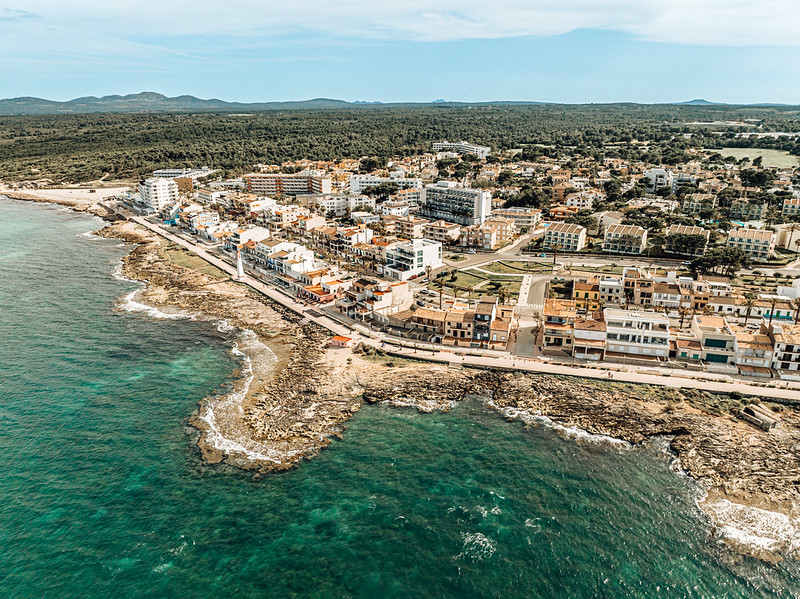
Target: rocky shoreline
291, 406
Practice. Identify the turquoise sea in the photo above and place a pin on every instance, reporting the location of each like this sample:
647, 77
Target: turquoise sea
103, 494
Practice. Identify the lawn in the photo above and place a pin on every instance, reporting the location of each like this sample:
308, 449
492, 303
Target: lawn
770, 157
466, 279
182, 257
516, 267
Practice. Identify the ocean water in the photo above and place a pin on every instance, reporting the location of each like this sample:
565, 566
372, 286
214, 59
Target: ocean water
102, 493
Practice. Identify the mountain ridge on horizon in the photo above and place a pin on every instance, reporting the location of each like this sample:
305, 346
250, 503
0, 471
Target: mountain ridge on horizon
154, 102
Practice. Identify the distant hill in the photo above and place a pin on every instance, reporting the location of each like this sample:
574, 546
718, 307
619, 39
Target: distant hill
698, 102
151, 102
155, 102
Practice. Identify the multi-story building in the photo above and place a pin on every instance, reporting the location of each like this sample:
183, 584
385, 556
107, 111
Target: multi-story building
612, 290
411, 258
586, 294
786, 343
462, 147
360, 183
565, 237
158, 194
410, 227
524, 218
695, 203
666, 295
657, 179
624, 239
589, 339
448, 201
458, 327
754, 354
490, 325
442, 231
791, 207
757, 244
636, 333
506, 228
286, 184
411, 196
583, 200
745, 210
183, 173
375, 299
395, 208
557, 330
337, 206
673, 235
208, 197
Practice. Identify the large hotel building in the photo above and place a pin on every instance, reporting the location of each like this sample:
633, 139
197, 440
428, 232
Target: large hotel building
286, 184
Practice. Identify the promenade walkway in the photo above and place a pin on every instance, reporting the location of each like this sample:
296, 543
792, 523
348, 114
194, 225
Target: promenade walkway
485, 358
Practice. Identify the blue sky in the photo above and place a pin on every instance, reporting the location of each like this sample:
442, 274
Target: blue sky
543, 50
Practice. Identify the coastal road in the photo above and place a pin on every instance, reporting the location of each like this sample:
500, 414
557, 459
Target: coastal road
488, 358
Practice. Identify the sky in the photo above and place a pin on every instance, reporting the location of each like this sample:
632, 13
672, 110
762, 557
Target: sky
405, 51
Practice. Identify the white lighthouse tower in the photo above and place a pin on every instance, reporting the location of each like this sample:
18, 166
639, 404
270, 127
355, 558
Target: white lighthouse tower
239, 266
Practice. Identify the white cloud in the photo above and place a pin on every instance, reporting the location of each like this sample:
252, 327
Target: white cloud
703, 22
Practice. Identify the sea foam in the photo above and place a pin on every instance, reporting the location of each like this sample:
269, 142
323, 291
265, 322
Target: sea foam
753, 527
568, 432
127, 303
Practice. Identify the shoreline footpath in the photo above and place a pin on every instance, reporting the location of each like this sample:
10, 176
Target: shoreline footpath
291, 408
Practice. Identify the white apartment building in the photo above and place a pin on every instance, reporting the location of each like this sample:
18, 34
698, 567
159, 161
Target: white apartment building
340, 205
183, 173
359, 183
786, 341
447, 200
158, 193
204, 219
583, 200
410, 258
612, 290
286, 184
757, 244
528, 218
462, 147
207, 197
564, 237
635, 333
624, 239
395, 209
659, 178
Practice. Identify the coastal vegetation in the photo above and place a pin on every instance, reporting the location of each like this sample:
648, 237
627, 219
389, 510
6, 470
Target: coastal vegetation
88, 147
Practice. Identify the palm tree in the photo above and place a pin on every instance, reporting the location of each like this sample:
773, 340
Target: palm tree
772, 309
749, 303
792, 228
683, 312
503, 295
797, 310
555, 246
